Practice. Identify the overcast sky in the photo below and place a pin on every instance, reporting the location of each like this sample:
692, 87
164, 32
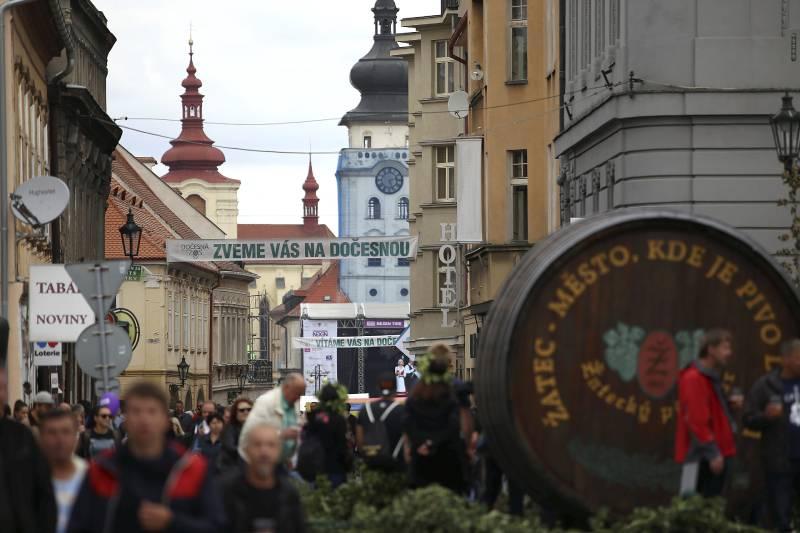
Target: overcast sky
260, 61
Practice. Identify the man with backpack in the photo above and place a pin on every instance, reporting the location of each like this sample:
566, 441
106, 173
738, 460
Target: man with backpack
379, 434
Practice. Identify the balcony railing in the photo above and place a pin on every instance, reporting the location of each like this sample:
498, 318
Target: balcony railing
259, 372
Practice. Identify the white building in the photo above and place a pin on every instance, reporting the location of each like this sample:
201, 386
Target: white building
373, 172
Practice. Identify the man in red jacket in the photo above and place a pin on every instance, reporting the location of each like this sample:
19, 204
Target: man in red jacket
704, 438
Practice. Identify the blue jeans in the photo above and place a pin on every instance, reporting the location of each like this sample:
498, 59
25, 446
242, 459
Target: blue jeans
782, 488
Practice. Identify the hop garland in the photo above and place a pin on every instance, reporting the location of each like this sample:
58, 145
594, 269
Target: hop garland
428, 377
339, 405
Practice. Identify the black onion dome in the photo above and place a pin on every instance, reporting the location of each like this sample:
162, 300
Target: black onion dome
381, 79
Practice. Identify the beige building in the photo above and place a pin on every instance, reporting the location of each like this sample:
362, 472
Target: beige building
55, 67
196, 312
432, 77
510, 50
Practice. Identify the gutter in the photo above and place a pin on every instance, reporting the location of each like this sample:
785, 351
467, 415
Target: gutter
4, 159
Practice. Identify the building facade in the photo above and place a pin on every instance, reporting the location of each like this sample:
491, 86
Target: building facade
194, 161
197, 312
372, 173
667, 104
432, 77
55, 74
513, 92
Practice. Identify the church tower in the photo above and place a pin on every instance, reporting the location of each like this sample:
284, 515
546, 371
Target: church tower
194, 161
310, 199
372, 174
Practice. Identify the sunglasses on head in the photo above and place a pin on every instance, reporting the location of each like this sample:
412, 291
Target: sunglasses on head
244, 409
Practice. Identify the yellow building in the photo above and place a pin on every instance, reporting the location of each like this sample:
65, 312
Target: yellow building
276, 279
510, 51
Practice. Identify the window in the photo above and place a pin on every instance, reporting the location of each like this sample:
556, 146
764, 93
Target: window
170, 314
185, 321
403, 262
374, 209
373, 292
402, 209
519, 195
374, 262
519, 40
404, 292
367, 141
445, 69
473, 346
445, 173
280, 283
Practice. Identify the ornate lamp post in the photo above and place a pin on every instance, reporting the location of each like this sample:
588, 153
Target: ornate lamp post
241, 379
785, 126
183, 371
131, 235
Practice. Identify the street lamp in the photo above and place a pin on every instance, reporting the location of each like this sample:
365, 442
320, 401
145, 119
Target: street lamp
131, 235
785, 126
183, 371
241, 379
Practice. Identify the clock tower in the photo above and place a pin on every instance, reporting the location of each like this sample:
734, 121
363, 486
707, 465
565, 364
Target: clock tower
372, 174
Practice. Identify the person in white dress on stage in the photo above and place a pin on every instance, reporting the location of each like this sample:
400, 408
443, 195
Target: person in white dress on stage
400, 375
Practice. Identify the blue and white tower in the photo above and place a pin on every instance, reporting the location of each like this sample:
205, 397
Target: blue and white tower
372, 174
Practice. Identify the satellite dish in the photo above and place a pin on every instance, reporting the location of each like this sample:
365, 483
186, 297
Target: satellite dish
40, 200
458, 104
477, 73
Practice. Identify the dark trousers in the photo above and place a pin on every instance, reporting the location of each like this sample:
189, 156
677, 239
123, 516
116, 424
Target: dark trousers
709, 484
494, 483
782, 488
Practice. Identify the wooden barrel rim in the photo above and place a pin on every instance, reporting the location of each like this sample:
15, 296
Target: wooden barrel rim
493, 370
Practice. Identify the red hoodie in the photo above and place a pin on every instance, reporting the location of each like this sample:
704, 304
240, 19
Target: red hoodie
704, 430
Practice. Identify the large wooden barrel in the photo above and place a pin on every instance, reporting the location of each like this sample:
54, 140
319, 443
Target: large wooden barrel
580, 354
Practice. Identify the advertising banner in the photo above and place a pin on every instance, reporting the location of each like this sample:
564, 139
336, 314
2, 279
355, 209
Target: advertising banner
209, 250
385, 324
58, 311
345, 342
319, 364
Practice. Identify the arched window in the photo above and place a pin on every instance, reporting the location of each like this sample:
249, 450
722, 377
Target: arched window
197, 202
402, 209
374, 209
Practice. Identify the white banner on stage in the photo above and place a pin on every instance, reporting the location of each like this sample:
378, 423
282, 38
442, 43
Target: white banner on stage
319, 364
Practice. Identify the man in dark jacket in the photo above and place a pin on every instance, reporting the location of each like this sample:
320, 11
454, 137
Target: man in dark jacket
256, 497
704, 440
773, 408
27, 504
146, 484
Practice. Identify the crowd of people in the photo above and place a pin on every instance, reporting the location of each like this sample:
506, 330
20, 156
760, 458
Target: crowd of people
139, 465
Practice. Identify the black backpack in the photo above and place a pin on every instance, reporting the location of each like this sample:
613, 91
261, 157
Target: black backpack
310, 457
376, 449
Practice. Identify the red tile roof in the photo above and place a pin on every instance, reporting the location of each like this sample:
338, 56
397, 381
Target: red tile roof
283, 231
314, 291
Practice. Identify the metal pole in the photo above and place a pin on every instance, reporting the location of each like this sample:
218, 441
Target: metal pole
362, 388
101, 318
4, 159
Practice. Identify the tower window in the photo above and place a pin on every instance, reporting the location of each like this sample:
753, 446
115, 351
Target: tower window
373, 292
403, 262
402, 209
367, 141
404, 292
374, 262
374, 209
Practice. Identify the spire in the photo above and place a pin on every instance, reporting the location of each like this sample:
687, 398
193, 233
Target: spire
193, 154
310, 199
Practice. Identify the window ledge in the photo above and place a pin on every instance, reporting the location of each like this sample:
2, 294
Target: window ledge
516, 82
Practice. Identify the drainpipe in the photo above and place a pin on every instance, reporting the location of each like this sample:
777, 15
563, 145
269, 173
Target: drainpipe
66, 36
211, 337
4, 158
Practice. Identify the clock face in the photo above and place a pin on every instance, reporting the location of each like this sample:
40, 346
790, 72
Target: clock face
389, 180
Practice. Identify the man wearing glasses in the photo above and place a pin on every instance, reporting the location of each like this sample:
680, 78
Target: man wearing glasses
101, 437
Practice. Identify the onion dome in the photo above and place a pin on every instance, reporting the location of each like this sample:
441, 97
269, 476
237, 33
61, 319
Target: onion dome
381, 79
193, 154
